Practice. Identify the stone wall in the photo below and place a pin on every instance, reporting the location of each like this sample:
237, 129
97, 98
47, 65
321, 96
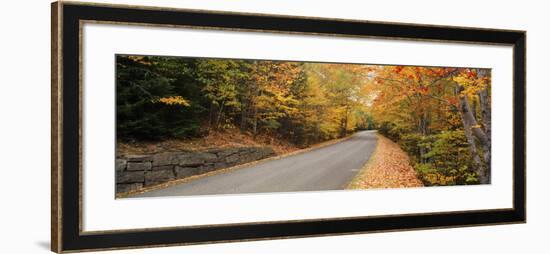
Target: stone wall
134, 172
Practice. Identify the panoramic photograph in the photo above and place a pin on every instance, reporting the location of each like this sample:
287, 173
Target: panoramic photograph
209, 126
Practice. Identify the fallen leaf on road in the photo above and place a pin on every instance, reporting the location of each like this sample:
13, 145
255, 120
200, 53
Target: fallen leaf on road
388, 167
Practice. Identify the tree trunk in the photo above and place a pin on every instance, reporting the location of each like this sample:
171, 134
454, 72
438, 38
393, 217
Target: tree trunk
472, 129
343, 127
211, 115
255, 121
475, 109
220, 114
344, 123
485, 106
473, 148
244, 112
423, 129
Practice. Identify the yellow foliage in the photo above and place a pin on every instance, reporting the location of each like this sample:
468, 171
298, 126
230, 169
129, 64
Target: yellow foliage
173, 100
140, 59
471, 84
439, 179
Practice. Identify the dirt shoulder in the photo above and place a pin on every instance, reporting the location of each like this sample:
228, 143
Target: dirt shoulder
215, 139
388, 167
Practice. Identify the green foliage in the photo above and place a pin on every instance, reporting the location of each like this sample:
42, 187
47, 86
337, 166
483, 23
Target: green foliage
411, 143
441, 158
142, 82
444, 158
395, 132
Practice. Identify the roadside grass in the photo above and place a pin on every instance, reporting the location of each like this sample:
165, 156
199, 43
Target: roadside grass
388, 167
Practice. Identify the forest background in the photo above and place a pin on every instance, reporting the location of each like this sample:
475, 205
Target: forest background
440, 116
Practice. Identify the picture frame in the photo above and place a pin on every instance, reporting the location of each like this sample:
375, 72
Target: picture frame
67, 128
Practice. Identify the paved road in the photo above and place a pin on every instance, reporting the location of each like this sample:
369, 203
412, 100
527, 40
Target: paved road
328, 168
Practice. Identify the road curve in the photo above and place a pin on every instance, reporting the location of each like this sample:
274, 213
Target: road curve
328, 168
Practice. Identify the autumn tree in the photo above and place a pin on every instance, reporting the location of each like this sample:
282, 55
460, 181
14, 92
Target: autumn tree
440, 116
417, 104
220, 79
473, 87
148, 105
272, 99
341, 85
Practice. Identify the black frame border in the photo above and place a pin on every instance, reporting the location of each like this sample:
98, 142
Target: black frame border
66, 233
